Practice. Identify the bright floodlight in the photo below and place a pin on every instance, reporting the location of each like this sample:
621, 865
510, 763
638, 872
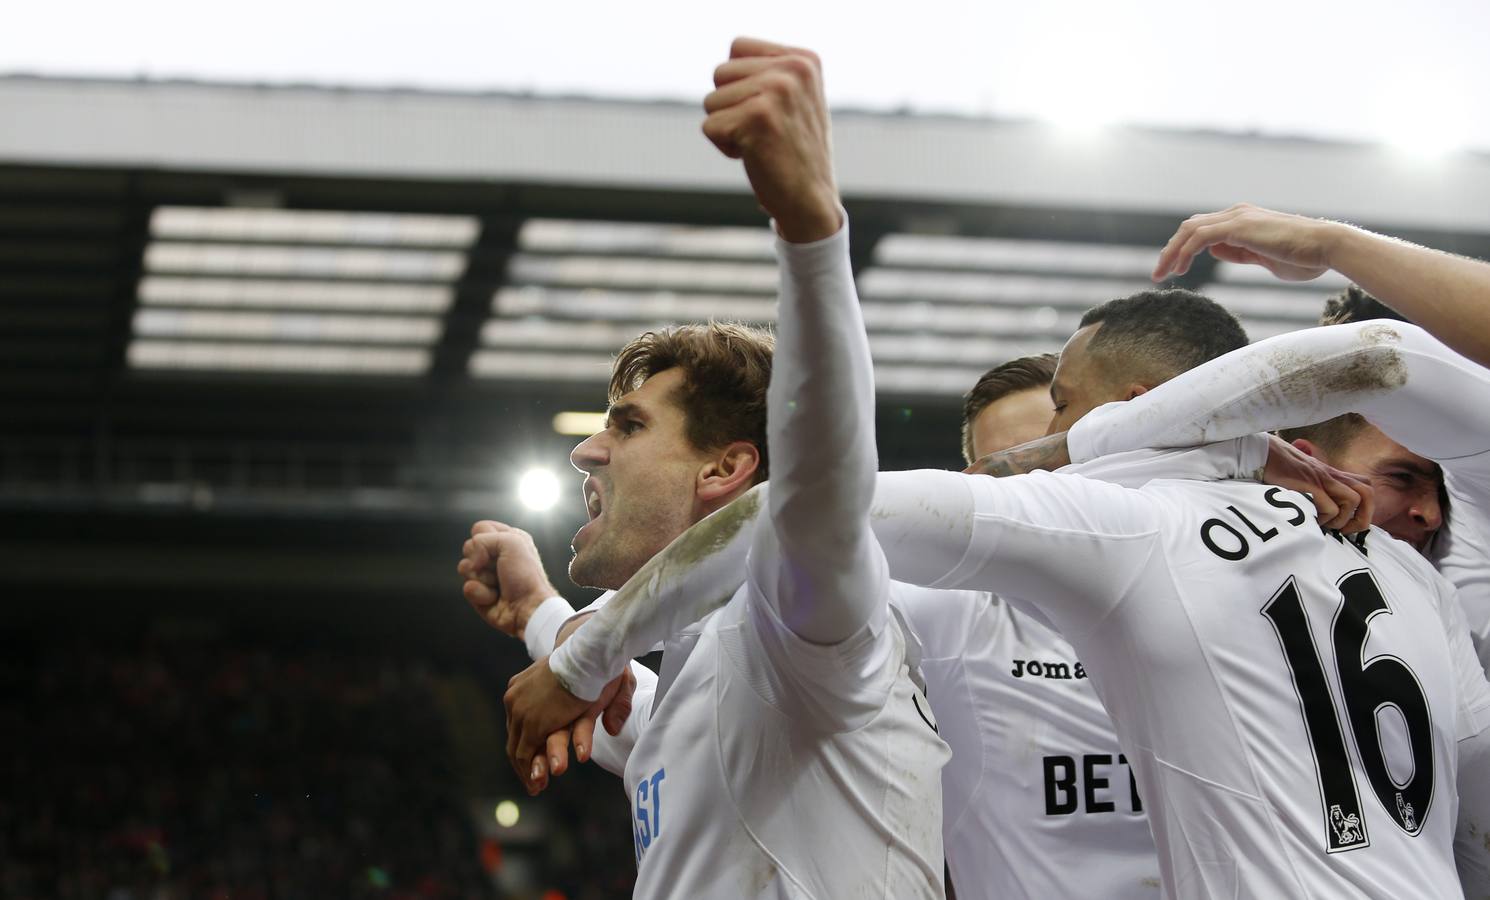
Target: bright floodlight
507, 814
538, 489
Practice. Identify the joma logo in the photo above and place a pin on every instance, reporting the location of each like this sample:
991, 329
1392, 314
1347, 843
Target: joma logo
1059, 671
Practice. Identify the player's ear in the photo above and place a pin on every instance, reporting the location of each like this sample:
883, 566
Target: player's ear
728, 472
1307, 447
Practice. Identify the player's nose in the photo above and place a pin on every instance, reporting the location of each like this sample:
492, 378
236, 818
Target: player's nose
591, 453
1426, 511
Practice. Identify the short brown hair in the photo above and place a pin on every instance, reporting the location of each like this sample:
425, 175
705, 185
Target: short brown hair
726, 370
1331, 436
1023, 374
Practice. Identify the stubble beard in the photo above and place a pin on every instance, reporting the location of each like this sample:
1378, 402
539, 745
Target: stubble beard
609, 560
592, 567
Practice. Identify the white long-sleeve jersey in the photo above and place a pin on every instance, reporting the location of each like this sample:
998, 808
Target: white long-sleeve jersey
789, 753
1423, 395
1297, 709
1038, 799
1303, 714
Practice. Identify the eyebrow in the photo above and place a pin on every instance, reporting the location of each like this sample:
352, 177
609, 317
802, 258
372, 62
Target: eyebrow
1430, 472
620, 411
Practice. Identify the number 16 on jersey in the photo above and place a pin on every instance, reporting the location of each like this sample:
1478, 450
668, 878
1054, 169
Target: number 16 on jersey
1366, 686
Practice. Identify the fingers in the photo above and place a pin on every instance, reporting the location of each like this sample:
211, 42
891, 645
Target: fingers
584, 738
475, 553
1187, 242
1344, 500
619, 710
737, 69
741, 106
1326, 507
537, 778
1365, 510
1234, 254
479, 594
522, 752
737, 92
481, 551
557, 750
1200, 238
467, 569
749, 46
723, 127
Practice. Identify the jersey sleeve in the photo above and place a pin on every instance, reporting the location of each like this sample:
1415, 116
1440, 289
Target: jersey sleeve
1471, 853
815, 559
1242, 457
1422, 394
819, 587
1060, 547
1472, 689
542, 631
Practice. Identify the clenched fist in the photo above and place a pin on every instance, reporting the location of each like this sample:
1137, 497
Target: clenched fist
768, 111
505, 582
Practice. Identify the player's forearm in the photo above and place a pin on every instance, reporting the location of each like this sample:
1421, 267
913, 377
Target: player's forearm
1393, 373
820, 428
1446, 294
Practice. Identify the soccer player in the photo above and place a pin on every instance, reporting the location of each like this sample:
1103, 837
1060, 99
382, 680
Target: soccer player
1424, 405
1038, 800
788, 752
1297, 708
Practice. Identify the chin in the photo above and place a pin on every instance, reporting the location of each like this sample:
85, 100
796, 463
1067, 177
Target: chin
592, 570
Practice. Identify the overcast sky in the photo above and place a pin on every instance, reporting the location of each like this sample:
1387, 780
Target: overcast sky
1367, 69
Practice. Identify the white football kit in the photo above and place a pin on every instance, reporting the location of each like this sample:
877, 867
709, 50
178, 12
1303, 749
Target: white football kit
788, 752
1423, 395
1294, 706
1038, 799
1291, 703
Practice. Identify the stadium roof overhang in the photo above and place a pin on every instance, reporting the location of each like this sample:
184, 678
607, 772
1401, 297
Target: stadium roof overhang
366, 302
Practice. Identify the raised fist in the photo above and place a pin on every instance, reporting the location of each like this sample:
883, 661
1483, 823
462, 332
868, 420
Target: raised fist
768, 111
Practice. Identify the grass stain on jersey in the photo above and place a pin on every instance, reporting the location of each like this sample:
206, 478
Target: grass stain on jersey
1373, 366
714, 532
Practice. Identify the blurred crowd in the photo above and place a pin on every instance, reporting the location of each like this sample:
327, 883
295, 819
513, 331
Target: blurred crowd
216, 769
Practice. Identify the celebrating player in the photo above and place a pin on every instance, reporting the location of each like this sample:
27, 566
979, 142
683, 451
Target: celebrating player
1428, 405
787, 751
